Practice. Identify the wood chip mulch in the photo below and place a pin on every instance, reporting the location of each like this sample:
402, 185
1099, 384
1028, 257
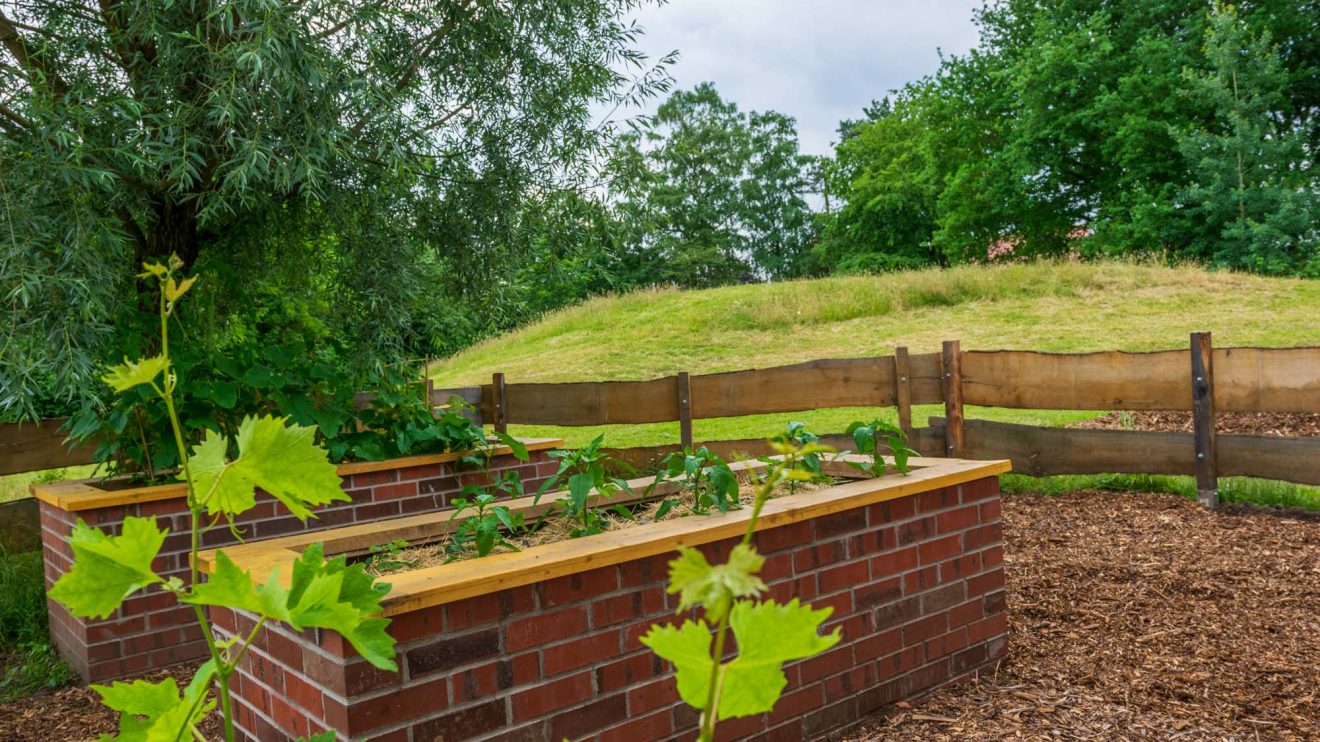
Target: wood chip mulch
1138, 616
1306, 425
1132, 616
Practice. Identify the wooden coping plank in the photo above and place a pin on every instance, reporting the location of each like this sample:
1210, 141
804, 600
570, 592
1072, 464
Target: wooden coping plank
83, 494
447, 583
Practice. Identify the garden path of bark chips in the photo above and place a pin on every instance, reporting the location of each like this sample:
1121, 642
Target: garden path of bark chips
1131, 617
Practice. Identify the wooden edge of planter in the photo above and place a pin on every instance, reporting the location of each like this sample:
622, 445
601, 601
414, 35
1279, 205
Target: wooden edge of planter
83, 494
446, 583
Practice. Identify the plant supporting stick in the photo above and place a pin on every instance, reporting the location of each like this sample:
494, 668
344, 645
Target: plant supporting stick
768, 634
280, 459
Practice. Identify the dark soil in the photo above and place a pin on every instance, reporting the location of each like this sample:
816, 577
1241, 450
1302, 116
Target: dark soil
1135, 616
1239, 423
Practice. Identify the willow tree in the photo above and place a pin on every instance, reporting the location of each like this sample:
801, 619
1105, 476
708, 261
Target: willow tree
358, 139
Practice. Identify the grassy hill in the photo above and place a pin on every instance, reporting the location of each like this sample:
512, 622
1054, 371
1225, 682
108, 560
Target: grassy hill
1039, 306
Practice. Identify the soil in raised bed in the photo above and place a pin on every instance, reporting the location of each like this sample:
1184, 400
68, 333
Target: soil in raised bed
553, 529
1138, 616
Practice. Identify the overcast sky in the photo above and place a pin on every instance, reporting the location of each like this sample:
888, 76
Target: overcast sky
819, 61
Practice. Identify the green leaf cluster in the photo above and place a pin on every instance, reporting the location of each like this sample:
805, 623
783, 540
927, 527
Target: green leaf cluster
706, 479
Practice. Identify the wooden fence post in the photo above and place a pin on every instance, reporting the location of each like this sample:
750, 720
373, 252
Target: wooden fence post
902, 390
954, 437
500, 407
1203, 420
685, 410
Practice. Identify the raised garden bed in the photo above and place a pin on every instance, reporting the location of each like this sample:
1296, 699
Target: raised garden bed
151, 630
543, 643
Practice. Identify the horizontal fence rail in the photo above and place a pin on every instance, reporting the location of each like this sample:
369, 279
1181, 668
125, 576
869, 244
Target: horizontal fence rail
1202, 379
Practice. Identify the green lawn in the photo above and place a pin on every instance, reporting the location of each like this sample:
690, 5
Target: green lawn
1060, 307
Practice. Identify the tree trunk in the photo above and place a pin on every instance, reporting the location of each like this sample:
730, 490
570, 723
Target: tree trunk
172, 231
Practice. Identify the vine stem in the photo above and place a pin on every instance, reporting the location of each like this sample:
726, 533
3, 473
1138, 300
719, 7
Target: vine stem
711, 713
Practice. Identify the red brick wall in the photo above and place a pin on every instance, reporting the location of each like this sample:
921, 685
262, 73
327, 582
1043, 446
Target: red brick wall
917, 586
150, 630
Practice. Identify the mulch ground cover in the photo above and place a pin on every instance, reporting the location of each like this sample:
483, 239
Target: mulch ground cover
1131, 617
1136, 616
1305, 425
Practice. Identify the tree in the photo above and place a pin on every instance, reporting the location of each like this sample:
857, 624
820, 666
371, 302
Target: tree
233, 134
707, 194
1257, 203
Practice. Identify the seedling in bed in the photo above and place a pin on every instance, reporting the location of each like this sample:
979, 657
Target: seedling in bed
387, 557
796, 434
868, 438
704, 477
588, 473
483, 529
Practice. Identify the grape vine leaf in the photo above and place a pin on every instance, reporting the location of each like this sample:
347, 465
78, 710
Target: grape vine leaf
281, 459
715, 587
107, 569
155, 712
129, 374
768, 635
322, 594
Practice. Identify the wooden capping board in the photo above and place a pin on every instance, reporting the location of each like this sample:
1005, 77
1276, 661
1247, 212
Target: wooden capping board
1246, 380
1040, 451
34, 446
446, 583
83, 494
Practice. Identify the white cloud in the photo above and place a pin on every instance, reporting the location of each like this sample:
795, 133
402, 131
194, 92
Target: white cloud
819, 62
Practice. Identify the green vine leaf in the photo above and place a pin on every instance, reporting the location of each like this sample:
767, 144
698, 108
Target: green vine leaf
107, 569
715, 587
322, 594
768, 635
155, 712
281, 459
129, 374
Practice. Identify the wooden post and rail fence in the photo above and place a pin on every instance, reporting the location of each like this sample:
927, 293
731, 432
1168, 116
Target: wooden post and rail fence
1203, 380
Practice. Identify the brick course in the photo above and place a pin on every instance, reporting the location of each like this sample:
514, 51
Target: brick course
561, 659
151, 630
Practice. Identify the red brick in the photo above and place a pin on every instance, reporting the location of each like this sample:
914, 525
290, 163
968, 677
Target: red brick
980, 489
654, 726
987, 627
929, 502
925, 677
472, 721
393, 491
584, 721
922, 629
644, 571
961, 615
991, 533
946, 644
993, 510
287, 717
463, 614
933, 552
579, 652
878, 645
921, 580
992, 557
393, 708
544, 628
985, 583
580, 586
425, 471
957, 520
830, 526
834, 660
816, 556
556, 694
653, 695
893, 511
373, 478
842, 577
627, 671
303, 694
783, 537
449, 651
873, 592
959, 567
894, 562
626, 607
942, 599
477, 682
915, 530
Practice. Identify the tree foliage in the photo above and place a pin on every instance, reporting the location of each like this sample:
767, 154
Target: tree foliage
378, 148
1093, 127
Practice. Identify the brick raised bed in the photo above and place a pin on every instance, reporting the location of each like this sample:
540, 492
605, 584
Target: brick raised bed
151, 630
543, 644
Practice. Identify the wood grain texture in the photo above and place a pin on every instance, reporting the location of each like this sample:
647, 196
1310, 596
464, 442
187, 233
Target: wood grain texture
684, 405
447, 583
903, 389
1203, 418
1040, 451
36, 446
954, 435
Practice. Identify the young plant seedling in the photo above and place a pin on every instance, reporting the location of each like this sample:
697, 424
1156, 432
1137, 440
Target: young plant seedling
388, 557
768, 634
282, 460
868, 437
586, 469
481, 527
704, 477
796, 434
